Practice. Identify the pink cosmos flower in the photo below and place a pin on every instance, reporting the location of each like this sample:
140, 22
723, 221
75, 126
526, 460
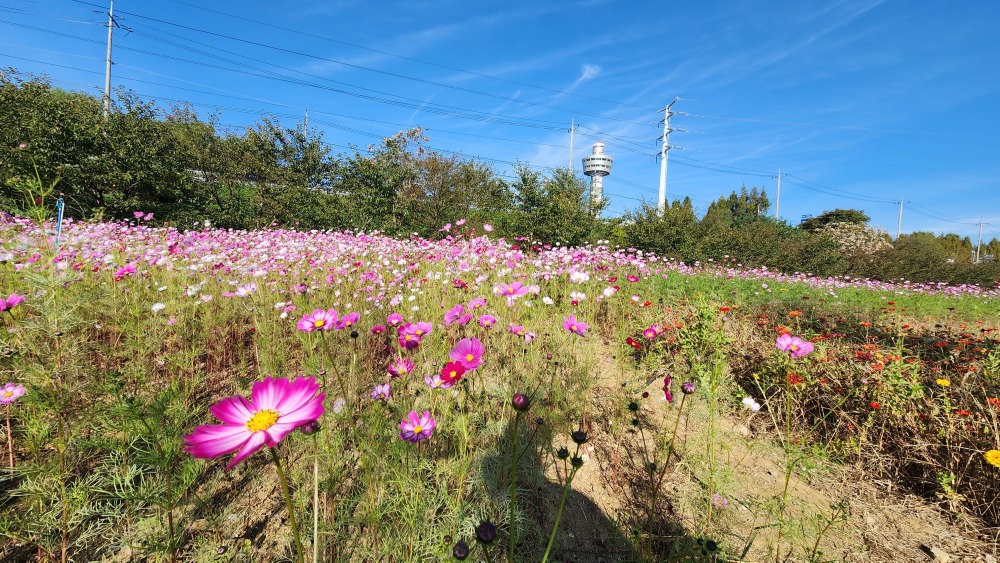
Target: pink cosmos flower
486, 321
394, 319
477, 303
436, 382
378, 329
381, 392
468, 352
795, 346
415, 428
11, 392
578, 327
348, 320
277, 407
516, 329
318, 320
400, 367
13, 301
124, 271
487, 227
464, 319
138, 214
454, 314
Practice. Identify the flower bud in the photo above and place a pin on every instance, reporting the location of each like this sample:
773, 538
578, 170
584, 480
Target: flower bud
576, 462
687, 387
310, 427
579, 437
563, 453
486, 532
521, 402
460, 551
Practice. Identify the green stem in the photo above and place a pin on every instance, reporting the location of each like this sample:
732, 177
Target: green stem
562, 503
315, 498
288, 505
513, 486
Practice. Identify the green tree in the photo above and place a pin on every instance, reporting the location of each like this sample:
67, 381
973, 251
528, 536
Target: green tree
835, 216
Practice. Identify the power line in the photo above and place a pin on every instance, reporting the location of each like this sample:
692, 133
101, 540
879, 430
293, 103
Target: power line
412, 59
365, 68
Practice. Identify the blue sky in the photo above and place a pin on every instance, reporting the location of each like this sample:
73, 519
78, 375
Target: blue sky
860, 103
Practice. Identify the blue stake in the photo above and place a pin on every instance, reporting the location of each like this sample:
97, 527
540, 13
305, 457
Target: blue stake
60, 205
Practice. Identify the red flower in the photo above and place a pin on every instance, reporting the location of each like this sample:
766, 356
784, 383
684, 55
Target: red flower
874, 405
452, 372
794, 378
993, 401
633, 343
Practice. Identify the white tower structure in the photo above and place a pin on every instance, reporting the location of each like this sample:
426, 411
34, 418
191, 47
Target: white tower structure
597, 165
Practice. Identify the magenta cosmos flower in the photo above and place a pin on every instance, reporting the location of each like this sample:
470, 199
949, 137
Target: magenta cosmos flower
11, 392
468, 352
318, 320
415, 428
454, 314
277, 407
578, 327
795, 346
401, 366
348, 320
13, 301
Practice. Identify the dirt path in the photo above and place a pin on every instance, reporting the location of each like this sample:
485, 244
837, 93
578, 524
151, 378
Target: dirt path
855, 519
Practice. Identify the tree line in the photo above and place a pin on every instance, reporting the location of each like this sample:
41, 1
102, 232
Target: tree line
186, 169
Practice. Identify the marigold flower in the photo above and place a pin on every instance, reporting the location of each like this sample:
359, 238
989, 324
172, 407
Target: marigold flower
277, 407
944, 382
993, 458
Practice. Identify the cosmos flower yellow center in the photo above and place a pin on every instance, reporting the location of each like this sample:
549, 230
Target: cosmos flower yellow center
8, 393
318, 323
262, 420
453, 373
469, 357
418, 429
574, 327
793, 347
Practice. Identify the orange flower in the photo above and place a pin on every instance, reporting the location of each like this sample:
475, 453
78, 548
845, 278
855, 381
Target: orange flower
794, 378
794, 313
874, 405
962, 413
993, 401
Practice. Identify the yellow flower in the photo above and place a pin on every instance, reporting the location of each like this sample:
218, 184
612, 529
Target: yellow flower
944, 383
993, 457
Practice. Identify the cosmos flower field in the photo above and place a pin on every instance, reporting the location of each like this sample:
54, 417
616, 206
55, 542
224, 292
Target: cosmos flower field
208, 394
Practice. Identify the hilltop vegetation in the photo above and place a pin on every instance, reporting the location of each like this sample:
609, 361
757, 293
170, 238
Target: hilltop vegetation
187, 169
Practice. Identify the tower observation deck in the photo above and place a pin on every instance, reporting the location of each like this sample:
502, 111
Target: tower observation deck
597, 165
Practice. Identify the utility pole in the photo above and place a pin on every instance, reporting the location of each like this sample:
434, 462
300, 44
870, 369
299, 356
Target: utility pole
307, 125
572, 129
899, 224
107, 71
979, 244
777, 198
661, 200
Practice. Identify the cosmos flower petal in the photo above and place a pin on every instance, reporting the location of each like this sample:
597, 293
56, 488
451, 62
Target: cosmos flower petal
298, 393
268, 393
235, 410
255, 442
215, 440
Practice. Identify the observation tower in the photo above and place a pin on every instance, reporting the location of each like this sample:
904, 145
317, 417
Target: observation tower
597, 165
